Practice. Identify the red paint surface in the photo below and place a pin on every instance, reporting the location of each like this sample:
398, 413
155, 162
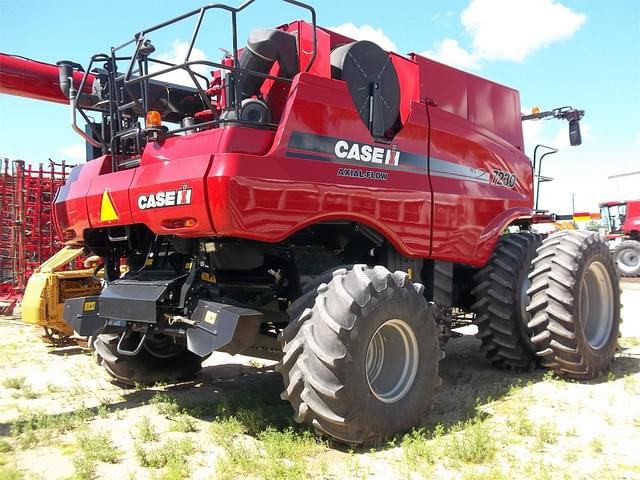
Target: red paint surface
245, 185
32, 79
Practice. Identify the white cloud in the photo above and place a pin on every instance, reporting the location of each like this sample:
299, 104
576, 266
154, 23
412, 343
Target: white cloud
508, 30
77, 152
513, 30
366, 32
176, 55
450, 52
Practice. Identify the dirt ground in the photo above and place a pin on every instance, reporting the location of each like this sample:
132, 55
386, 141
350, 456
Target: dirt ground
61, 417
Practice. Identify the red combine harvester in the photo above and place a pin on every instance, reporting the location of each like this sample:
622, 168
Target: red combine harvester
26, 224
323, 202
622, 221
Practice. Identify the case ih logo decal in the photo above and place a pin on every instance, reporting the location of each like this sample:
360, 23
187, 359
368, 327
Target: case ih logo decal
344, 152
366, 153
168, 198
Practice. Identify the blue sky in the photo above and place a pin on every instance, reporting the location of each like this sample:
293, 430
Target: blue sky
555, 52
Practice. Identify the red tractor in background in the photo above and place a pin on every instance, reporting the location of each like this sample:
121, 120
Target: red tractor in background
622, 222
322, 202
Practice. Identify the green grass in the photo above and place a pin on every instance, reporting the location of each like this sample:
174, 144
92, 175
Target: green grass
172, 456
223, 430
9, 473
493, 473
145, 431
520, 423
84, 467
39, 428
472, 442
629, 342
5, 446
99, 446
546, 434
165, 405
596, 445
571, 456
284, 455
183, 423
26, 391
90, 449
17, 383
421, 451
256, 407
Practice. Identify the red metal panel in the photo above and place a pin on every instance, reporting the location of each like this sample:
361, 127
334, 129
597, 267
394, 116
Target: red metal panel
486, 103
322, 64
496, 108
444, 85
71, 203
409, 78
268, 198
266, 186
469, 215
116, 185
632, 222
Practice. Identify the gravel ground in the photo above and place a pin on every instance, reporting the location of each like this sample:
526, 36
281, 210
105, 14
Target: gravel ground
538, 426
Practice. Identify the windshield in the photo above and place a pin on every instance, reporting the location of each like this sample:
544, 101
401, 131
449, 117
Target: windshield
613, 217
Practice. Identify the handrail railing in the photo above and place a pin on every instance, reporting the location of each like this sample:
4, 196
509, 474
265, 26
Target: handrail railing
138, 74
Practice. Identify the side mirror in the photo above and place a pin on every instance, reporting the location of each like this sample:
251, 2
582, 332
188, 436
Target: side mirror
575, 138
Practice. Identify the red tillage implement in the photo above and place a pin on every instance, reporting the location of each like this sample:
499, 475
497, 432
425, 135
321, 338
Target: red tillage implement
26, 221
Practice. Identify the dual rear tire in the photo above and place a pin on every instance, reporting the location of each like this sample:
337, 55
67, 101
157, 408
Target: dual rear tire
575, 305
554, 303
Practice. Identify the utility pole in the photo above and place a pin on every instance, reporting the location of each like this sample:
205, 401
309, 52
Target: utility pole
573, 203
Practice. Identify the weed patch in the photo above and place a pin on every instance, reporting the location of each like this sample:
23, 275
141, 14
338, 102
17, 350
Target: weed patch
171, 455
546, 434
596, 445
629, 342
183, 423
92, 448
421, 451
145, 431
34, 429
165, 405
520, 423
283, 455
223, 430
17, 383
8, 473
5, 447
471, 442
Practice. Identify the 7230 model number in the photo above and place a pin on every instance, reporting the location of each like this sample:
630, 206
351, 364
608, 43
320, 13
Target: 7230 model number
505, 179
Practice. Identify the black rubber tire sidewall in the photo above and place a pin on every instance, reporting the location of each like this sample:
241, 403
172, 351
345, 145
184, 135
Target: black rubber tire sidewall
146, 369
627, 245
389, 418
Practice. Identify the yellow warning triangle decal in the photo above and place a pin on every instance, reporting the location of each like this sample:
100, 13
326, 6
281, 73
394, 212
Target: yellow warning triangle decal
107, 210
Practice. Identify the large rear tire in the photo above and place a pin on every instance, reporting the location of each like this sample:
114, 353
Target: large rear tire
501, 301
362, 364
575, 304
157, 361
627, 258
